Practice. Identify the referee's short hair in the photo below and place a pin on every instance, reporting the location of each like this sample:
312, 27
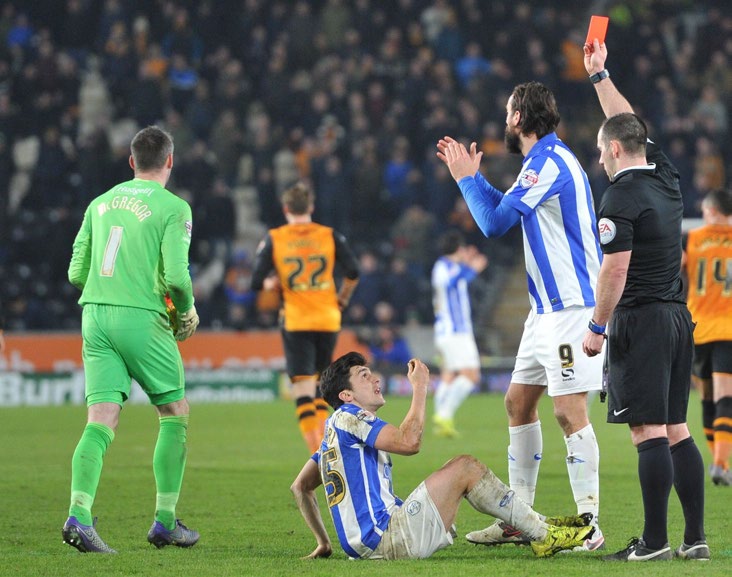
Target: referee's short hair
629, 130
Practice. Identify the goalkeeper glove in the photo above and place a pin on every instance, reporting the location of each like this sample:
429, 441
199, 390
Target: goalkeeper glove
187, 324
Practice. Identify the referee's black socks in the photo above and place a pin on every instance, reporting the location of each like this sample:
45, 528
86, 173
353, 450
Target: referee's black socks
656, 474
689, 485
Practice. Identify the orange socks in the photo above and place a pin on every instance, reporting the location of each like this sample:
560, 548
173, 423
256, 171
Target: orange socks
310, 429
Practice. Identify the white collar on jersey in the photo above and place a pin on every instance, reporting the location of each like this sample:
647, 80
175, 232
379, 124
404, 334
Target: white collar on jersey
651, 166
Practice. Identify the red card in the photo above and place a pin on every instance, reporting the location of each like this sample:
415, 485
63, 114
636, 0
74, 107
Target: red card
597, 29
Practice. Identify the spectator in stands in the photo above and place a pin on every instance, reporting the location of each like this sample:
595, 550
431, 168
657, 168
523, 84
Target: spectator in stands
388, 349
413, 239
239, 294
378, 76
402, 291
369, 292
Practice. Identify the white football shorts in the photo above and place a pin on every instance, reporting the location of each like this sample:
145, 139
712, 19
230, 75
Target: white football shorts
458, 351
550, 353
415, 529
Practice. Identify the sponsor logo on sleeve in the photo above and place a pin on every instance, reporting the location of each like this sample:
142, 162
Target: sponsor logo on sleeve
528, 178
607, 230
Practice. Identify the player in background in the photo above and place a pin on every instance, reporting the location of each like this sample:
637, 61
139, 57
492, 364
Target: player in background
132, 250
354, 465
456, 268
708, 261
304, 255
552, 200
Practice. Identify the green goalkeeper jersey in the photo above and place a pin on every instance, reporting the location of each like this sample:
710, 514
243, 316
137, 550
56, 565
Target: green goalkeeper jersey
132, 248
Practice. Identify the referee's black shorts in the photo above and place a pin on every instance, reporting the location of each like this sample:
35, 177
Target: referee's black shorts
308, 353
650, 354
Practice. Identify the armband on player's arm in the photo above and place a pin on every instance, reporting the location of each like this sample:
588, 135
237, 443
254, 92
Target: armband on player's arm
347, 288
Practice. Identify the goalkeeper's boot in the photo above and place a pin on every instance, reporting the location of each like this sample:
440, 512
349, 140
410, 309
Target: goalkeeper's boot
698, 551
570, 520
637, 550
181, 536
498, 534
560, 538
84, 537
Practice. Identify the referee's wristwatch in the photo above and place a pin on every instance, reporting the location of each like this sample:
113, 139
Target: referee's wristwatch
597, 76
597, 329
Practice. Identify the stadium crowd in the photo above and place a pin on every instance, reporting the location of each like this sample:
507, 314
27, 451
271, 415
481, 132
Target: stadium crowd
351, 95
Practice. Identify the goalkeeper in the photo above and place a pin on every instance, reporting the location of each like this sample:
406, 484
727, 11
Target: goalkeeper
132, 250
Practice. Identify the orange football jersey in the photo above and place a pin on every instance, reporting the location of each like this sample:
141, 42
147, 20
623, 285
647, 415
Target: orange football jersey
304, 257
709, 268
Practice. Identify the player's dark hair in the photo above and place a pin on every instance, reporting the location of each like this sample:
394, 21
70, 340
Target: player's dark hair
629, 130
336, 377
720, 199
150, 148
538, 108
298, 198
450, 242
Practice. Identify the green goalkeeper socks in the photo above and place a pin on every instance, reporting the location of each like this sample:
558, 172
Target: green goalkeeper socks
169, 462
86, 469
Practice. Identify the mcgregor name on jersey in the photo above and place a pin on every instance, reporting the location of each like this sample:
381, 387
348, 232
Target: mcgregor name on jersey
135, 205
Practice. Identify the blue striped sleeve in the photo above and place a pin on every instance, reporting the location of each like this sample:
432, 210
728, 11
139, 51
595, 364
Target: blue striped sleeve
493, 216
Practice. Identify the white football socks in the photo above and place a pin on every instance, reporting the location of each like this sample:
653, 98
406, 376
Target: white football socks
583, 464
441, 393
491, 496
449, 397
524, 458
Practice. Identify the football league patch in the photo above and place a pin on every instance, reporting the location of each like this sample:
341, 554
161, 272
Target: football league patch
607, 230
528, 178
365, 416
189, 227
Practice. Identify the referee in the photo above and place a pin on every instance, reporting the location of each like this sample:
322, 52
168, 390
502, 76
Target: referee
650, 342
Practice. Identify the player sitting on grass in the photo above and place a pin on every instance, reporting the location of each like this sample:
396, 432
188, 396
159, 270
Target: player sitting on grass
354, 464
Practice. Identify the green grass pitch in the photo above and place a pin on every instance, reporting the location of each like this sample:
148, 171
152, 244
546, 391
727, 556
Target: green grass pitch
241, 461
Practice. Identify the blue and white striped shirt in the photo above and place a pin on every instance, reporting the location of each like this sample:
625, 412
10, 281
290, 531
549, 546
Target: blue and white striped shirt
450, 297
357, 479
552, 197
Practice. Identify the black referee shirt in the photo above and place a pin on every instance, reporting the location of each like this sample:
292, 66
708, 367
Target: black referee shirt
641, 211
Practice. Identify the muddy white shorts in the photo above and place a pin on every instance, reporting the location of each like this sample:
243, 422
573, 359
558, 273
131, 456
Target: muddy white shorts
415, 530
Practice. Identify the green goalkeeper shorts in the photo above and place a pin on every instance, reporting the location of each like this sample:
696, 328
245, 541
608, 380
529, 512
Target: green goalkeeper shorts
124, 343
